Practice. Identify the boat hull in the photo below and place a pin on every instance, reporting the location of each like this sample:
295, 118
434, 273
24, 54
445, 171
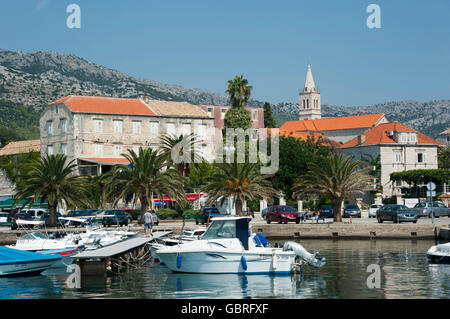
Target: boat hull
26, 268
438, 259
213, 262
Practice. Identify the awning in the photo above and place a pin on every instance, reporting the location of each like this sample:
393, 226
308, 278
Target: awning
8, 204
189, 197
106, 161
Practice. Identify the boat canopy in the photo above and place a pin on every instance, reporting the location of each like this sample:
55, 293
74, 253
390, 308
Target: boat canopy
234, 227
13, 256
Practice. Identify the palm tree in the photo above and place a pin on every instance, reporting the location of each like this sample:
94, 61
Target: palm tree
185, 148
147, 174
240, 180
239, 91
336, 177
52, 179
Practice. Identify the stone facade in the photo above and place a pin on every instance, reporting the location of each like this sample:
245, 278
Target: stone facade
104, 137
395, 158
444, 138
310, 108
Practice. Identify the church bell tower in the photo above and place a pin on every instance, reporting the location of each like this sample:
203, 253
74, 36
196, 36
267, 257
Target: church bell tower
309, 99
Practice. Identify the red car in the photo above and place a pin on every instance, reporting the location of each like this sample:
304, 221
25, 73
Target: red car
282, 214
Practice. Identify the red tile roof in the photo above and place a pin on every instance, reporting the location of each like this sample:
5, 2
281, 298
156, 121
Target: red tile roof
378, 135
104, 105
333, 123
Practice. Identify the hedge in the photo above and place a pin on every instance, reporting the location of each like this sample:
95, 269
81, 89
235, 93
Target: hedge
422, 176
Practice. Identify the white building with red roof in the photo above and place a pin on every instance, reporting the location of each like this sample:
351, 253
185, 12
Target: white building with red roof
400, 148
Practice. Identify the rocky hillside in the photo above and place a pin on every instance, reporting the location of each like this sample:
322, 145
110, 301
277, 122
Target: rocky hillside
29, 81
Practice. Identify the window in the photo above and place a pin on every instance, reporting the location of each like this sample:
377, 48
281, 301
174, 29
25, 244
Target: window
186, 129
98, 149
63, 124
170, 128
413, 138
49, 128
136, 148
202, 131
118, 150
420, 157
254, 115
255, 134
63, 149
118, 125
50, 150
154, 129
397, 156
210, 111
98, 126
56, 109
404, 138
223, 111
136, 127
307, 104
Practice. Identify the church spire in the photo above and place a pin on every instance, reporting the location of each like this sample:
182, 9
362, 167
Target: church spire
309, 82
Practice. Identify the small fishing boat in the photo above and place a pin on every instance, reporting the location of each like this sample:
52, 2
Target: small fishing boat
14, 262
228, 246
439, 254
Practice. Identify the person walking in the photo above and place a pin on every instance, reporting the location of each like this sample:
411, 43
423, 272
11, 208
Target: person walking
148, 224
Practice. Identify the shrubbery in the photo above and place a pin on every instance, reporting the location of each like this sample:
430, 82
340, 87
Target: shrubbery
166, 213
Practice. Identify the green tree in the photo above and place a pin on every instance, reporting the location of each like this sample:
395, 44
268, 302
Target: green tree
239, 91
444, 157
51, 178
269, 121
295, 158
148, 174
237, 116
240, 180
336, 178
185, 148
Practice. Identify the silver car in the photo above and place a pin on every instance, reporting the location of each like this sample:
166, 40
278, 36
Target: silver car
426, 209
373, 210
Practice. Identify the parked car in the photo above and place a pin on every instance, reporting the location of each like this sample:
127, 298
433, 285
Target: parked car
282, 214
46, 215
397, 214
426, 209
120, 218
203, 215
36, 213
19, 215
352, 210
326, 211
373, 210
264, 212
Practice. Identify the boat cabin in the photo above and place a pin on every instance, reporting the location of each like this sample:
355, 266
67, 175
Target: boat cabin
229, 227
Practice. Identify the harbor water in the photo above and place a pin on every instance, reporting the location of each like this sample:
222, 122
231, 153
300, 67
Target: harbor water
354, 269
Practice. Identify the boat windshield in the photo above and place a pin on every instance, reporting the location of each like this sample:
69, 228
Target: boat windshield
221, 229
33, 236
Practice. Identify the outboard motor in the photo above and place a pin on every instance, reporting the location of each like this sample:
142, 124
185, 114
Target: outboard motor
311, 259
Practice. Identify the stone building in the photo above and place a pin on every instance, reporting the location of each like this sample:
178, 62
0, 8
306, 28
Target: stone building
95, 131
400, 148
444, 137
218, 113
7, 188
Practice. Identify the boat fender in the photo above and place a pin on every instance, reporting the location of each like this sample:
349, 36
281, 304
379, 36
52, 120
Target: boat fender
274, 261
244, 263
179, 261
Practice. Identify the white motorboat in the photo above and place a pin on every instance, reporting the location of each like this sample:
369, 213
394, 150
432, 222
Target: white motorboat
14, 262
439, 254
37, 241
228, 246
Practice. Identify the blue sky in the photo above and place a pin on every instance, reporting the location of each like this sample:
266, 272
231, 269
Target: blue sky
203, 43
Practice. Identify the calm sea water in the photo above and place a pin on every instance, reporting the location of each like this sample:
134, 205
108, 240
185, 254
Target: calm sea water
405, 273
